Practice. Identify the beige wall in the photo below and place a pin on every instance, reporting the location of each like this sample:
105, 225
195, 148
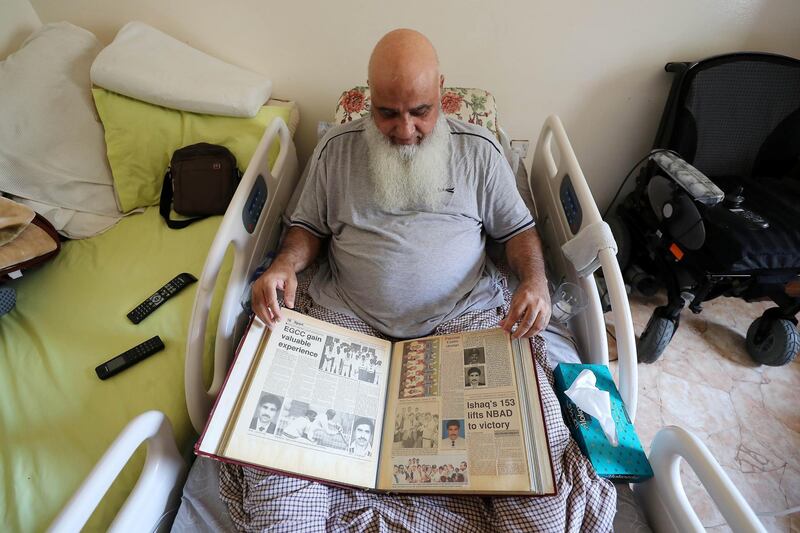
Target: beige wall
599, 65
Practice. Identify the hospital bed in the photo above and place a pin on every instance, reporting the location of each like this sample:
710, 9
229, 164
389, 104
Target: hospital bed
56, 417
154, 501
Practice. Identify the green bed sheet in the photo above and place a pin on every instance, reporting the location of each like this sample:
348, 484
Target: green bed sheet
56, 417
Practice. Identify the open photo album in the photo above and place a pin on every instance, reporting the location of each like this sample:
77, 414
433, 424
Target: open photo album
457, 414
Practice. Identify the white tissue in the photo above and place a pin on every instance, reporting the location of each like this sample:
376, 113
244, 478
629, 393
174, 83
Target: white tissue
595, 402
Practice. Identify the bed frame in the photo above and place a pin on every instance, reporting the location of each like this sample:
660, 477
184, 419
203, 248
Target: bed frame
156, 496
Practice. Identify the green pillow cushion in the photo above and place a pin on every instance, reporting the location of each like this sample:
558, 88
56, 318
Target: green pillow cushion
141, 137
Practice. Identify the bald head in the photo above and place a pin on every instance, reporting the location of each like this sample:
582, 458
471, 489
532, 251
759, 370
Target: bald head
405, 86
403, 56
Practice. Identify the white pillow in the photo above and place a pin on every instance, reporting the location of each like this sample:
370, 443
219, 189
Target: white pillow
17, 21
149, 65
52, 149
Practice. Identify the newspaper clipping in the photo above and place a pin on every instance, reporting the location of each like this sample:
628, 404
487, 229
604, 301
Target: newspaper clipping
456, 413
322, 391
319, 391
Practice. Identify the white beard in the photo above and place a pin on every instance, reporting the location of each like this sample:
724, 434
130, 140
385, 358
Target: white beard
409, 177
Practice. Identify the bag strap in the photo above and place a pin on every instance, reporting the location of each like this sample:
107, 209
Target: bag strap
165, 206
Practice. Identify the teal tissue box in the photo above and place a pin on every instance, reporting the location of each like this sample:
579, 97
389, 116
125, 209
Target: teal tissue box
626, 462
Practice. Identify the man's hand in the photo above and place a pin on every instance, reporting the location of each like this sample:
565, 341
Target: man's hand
279, 276
530, 305
298, 250
530, 310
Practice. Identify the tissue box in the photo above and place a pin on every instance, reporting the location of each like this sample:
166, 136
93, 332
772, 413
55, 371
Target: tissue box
626, 462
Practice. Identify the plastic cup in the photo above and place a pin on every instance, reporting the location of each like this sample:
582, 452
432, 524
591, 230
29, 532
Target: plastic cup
568, 300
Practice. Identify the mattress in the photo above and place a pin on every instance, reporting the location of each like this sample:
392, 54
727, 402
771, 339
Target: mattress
70, 317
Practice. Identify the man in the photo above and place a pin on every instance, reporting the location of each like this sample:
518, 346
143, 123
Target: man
398, 426
429, 431
404, 425
463, 471
298, 428
363, 365
268, 407
361, 445
404, 201
419, 427
347, 361
329, 356
319, 428
372, 367
474, 378
453, 441
473, 357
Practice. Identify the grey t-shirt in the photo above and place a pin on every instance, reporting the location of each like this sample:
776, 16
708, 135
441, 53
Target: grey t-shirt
406, 272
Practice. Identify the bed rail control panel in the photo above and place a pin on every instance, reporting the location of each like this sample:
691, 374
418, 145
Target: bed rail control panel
255, 203
572, 208
157, 299
130, 357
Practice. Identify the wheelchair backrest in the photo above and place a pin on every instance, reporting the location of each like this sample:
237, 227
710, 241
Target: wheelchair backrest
735, 115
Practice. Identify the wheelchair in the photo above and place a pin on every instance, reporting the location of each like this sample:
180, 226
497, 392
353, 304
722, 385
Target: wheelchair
716, 208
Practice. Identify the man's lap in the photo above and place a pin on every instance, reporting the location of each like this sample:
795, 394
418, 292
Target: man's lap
258, 500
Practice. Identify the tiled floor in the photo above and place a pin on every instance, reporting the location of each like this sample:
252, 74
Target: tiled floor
748, 415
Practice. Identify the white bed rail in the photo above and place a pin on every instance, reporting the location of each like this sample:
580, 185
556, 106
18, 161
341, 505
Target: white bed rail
664, 500
553, 162
157, 492
249, 249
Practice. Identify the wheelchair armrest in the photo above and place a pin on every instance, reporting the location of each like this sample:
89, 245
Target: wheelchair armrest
700, 188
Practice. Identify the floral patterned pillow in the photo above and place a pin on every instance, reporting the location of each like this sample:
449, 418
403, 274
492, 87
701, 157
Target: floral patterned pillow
475, 106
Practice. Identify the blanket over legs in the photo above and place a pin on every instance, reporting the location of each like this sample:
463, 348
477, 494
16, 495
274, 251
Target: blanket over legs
260, 501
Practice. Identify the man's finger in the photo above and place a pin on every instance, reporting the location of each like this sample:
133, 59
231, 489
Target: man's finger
264, 315
511, 318
265, 303
260, 306
532, 330
257, 303
267, 315
272, 303
524, 324
541, 321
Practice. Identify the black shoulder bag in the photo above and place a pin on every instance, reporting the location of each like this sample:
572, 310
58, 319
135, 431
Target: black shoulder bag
200, 180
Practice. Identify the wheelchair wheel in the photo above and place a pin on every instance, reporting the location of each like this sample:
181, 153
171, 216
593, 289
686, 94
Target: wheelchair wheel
654, 339
778, 347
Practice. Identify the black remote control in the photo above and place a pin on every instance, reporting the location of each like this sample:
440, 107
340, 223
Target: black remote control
170, 289
129, 358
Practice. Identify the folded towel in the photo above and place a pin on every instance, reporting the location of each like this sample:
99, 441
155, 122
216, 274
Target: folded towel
14, 218
583, 249
146, 64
